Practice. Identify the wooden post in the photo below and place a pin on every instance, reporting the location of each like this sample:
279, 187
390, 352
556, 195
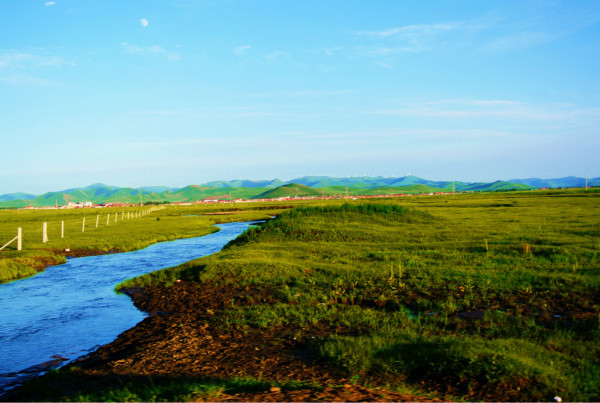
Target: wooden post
45, 232
62, 229
107, 218
128, 215
97, 219
20, 239
83, 225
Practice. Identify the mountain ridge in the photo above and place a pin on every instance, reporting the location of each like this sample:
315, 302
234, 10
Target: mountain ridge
307, 185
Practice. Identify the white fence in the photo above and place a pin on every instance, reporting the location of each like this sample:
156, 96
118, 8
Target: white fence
79, 225
18, 238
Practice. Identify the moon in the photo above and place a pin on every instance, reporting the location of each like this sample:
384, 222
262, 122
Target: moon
144, 22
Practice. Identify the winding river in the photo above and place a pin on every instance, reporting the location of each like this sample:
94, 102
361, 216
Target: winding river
69, 310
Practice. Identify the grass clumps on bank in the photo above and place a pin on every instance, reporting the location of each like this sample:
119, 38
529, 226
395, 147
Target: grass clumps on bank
17, 265
483, 297
477, 297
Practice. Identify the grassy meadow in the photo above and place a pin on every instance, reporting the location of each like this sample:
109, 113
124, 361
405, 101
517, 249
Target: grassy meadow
462, 297
118, 230
469, 297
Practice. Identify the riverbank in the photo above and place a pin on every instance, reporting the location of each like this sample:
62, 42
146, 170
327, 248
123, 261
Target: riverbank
180, 344
118, 233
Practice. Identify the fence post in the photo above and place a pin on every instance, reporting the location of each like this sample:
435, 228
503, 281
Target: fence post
62, 229
20, 239
45, 232
97, 219
83, 225
107, 218
128, 215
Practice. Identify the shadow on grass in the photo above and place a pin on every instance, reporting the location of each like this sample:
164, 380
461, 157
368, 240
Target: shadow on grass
70, 384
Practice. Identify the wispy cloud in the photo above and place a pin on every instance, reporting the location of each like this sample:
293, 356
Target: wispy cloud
408, 38
494, 109
24, 68
49, 3
519, 41
133, 49
151, 50
240, 50
26, 60
307, 93
216, 112
411, 32
26, 79
488, 33
278, 54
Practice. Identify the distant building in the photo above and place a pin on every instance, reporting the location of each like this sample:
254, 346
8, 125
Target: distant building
79, 205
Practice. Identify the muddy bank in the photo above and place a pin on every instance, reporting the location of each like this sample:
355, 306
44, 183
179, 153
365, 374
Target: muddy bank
180, 340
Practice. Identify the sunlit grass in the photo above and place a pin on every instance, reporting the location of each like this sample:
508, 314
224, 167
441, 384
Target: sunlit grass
460, 296
403, 272
105, 230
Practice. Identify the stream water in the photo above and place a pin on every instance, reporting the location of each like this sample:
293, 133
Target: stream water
69, 310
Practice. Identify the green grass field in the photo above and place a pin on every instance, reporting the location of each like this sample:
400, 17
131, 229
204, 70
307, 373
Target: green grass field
115, 231
460, 296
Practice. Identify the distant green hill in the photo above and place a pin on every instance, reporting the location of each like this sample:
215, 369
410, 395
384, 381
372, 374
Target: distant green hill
411, 189
290, 190
195, 192
245, 183
17, 196
494, 186
246, 189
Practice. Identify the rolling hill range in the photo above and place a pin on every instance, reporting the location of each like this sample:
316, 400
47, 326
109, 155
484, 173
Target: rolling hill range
306, 186
291, 190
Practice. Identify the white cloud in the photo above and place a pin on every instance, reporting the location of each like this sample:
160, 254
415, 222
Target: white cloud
275, 55
240, 50
49, 3
26, 79
233, 112
150, 50
520, 41
411, 31
144, 22
133, 49
24, 68
175, 57
155, 49
408, 38
566, 114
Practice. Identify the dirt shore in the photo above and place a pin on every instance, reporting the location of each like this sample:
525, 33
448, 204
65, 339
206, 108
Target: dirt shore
179, 341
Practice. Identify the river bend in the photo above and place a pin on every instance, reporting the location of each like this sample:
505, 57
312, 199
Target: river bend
69, 310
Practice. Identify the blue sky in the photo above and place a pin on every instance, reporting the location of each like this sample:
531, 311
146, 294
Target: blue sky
178, 92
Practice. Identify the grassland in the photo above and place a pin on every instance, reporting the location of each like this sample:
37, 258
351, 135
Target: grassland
115, 231
471, 297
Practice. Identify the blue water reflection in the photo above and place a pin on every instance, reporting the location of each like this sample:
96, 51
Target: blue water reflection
68, 310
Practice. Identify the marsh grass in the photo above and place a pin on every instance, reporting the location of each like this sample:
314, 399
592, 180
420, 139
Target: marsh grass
436, 289
436, 294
